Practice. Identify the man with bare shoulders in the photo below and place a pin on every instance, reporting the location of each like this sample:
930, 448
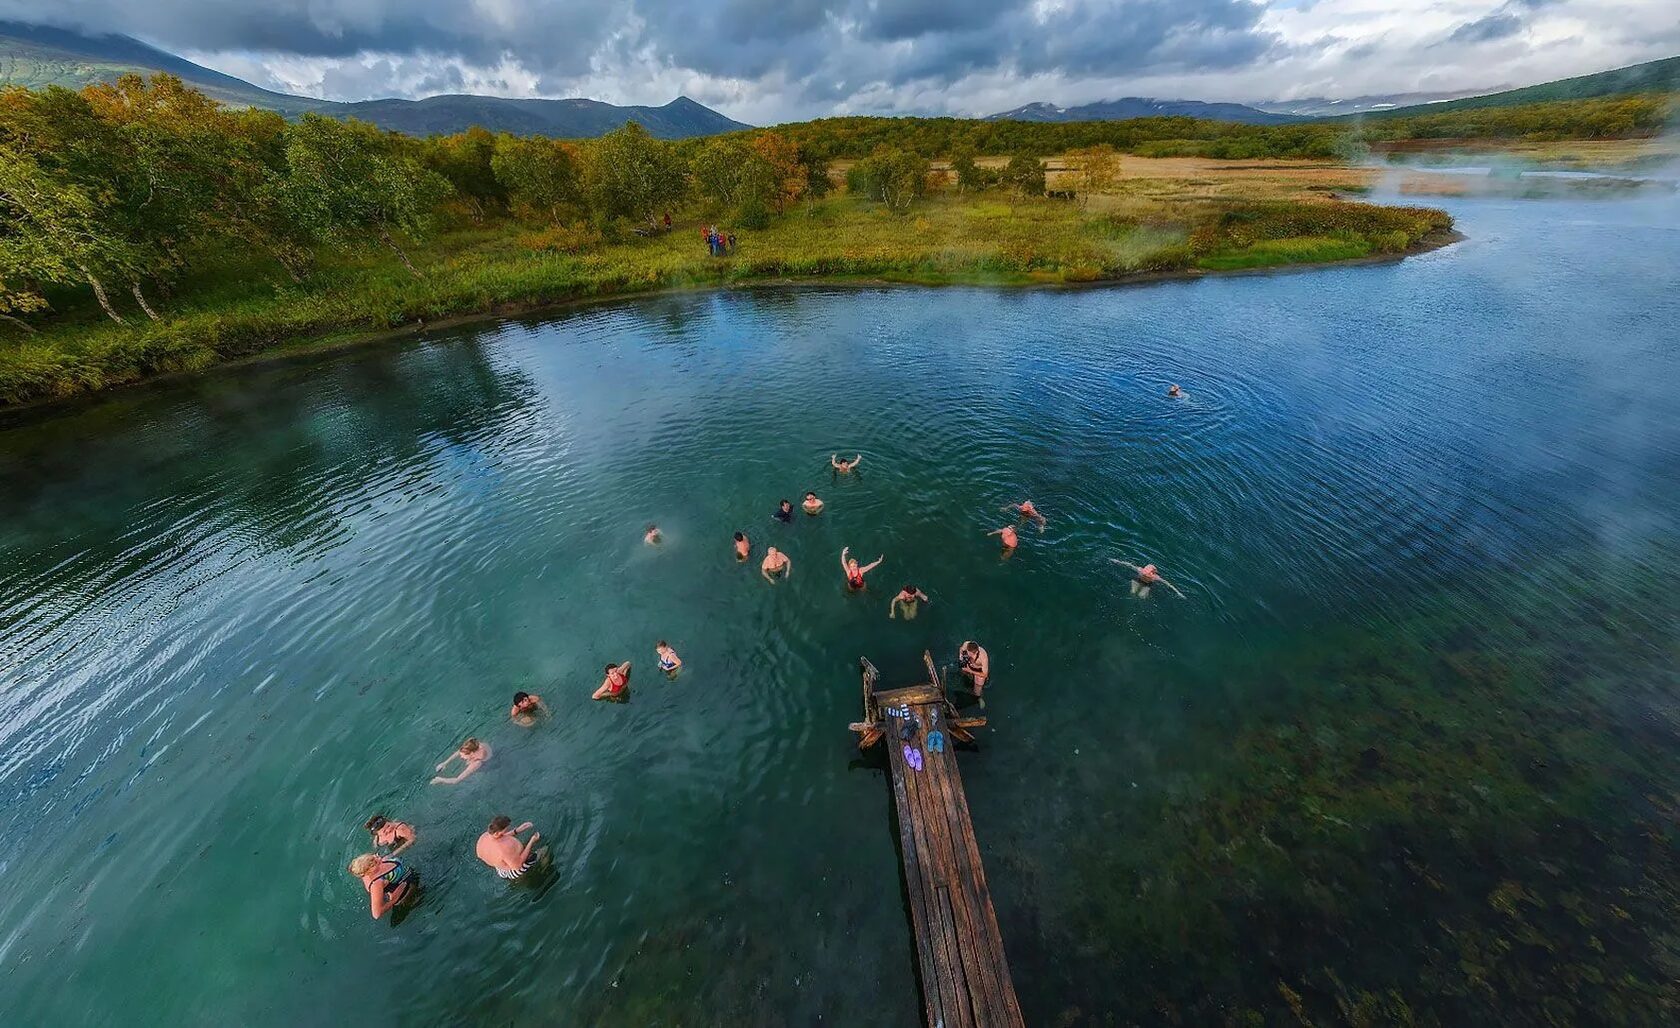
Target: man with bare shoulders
500, 847
776, 565
843, 466
976, 665
1027, 512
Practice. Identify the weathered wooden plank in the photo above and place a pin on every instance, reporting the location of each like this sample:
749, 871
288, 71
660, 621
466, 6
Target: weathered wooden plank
965, 976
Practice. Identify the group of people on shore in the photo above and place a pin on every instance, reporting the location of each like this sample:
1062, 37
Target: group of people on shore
718, 244
391, 883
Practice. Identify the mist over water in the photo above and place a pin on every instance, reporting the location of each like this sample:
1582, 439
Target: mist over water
1425, 515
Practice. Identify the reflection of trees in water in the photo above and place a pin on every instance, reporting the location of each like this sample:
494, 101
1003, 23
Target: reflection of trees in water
269, 449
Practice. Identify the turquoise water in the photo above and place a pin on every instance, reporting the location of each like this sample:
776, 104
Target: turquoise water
1407, 747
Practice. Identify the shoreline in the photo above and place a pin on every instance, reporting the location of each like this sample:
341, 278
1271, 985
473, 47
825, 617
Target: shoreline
305, 348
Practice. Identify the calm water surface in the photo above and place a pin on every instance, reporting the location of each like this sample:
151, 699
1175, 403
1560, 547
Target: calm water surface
1407, 742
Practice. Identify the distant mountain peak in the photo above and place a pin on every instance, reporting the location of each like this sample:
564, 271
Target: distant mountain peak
1140, 107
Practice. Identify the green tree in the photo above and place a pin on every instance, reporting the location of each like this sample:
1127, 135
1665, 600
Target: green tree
343, 180
966, 170
896, 178
630, 174
1025, 175
54, 233
466, 162
538, 174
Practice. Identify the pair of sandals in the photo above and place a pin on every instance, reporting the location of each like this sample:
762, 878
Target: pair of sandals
907, 730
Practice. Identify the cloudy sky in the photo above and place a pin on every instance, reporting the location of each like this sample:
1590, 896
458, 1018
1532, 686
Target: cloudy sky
765, 61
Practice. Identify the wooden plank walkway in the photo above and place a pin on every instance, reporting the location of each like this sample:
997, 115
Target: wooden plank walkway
965, 977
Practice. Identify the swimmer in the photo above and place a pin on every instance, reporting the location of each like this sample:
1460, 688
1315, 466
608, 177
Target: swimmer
651, 536
849, 567
1026, 509
669, 662
1146, 579
500, 847
395, 834
1010, 539
783, 512
776, 564
843, 466
1174, 391
388, 881
910, 599
473, 752
743, 546
812, 505
617, 683
526, 707
975, 664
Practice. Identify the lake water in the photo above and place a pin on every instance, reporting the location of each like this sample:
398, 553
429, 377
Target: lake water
1407, 746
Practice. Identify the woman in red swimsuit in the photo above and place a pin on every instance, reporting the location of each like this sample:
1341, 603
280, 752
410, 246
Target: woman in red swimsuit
854, 574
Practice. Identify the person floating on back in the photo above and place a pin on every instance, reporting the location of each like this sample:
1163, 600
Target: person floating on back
527, 707
909, 599
812, 505
1146, 579
500, 847
397, 835
616, 686
854, 574
843, 466
473, 753
1026, 509
776, 565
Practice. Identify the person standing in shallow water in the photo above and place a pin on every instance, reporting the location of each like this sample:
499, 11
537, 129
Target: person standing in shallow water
743, 546
776, 565
527, 707
396, 835
1146, 579
975, 664
388, 881
500, 848
669, 662
909, 599
812, 505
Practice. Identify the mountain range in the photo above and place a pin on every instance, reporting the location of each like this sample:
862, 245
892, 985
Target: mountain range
38, 56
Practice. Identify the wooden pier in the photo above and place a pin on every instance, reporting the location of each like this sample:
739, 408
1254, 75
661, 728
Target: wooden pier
965, 977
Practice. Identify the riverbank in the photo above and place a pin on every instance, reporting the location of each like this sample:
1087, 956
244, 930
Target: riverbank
242, 312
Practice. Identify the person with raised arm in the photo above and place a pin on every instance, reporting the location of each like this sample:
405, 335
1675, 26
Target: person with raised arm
849, 567
843, 466
473, 753
1010, 539
1145, 579
616, 685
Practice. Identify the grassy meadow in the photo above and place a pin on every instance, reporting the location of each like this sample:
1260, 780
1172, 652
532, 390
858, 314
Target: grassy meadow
1168, 223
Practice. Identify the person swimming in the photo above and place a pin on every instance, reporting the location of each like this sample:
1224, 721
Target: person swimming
388, 881
473, 752
1010, 539
812, 505
500, 848
651, 535
395, 834
743, 546
776, 564
526, 708
854, 574
975, 664
1146, 579
843, 466
1026, 510
909, 599
783, 512
1174, 391
616, 686
669, 662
